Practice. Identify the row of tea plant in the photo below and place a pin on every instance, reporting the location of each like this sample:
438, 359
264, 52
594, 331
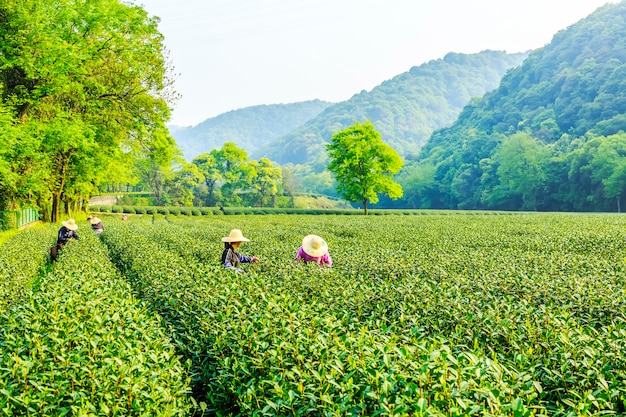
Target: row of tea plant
450, 315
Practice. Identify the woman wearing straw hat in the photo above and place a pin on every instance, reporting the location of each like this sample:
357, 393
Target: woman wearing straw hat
230, 257
314, 249
66, 232
96, 224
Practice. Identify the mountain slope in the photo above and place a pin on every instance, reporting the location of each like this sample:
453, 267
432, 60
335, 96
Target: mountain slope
563, 96
405, 109
249, 127
575, 84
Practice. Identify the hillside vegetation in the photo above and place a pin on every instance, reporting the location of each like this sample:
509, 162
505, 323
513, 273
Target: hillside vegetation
550, 137
405, 109
249, 128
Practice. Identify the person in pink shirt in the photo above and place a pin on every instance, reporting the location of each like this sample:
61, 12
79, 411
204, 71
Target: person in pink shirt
314, 249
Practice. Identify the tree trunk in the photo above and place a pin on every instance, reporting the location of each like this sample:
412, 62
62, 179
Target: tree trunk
56, 207
63, 162
619, 206
365, 206
211, 187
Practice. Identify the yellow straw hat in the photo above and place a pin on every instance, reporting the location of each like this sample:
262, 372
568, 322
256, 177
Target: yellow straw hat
314, 245
70, 224
94, 220
235, 236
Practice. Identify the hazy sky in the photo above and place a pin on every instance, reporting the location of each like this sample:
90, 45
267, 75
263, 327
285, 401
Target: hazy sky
231, 54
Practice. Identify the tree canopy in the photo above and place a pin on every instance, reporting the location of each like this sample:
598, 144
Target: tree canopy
363, 164
81, 84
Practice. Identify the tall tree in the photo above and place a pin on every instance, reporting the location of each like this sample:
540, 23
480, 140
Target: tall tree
609, 167
234, 166
98, 67
363, 164
23, 168
155, 168
183, 183
265, 180
207, 165
521, 169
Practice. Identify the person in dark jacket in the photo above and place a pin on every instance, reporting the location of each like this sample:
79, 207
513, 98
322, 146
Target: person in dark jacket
66, 232
230, 257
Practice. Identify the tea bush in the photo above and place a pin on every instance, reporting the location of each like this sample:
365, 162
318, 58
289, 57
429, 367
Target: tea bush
83, 345
454, 314
22, 258
420, 315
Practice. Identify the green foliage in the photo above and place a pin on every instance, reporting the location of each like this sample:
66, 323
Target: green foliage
81, 344
363, 165
457, 314
521, 173
22, 258
249, 128
265, 180
84, 88
7, 220
486, 313
563, 95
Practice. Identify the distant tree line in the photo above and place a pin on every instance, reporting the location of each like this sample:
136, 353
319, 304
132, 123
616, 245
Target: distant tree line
519, 172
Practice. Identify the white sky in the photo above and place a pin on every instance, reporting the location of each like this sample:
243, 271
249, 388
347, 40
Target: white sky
231, 54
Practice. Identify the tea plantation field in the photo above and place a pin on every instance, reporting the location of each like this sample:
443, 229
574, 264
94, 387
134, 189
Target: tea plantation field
436, 314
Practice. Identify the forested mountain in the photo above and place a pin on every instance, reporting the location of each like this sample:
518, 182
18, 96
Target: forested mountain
249, 127
550, 137
405, 109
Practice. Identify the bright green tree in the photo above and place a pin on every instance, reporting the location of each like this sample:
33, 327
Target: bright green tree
363, 164
265, 180
608, 166
182, 184
207, 165
155, 168
90, 80
234, 166
521, 170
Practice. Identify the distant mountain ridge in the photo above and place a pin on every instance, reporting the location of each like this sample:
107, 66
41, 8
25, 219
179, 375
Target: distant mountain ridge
405, 109
249, 127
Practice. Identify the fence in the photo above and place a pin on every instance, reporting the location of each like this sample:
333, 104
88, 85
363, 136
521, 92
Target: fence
13, 219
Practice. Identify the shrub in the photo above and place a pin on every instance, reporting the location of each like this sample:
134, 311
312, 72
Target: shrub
102, 352
185, 211
7, 220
